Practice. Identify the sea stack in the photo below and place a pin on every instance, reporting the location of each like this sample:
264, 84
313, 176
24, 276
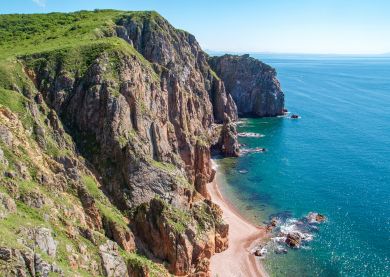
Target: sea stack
251, 83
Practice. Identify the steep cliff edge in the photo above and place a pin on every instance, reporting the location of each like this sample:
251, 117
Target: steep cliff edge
252, 84
107, 120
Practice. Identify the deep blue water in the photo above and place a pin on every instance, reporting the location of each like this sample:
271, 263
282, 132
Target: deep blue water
334, 160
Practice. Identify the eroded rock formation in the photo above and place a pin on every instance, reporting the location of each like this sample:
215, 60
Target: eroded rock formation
252, 84
105, 150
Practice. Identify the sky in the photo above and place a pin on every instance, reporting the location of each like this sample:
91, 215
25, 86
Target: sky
276, 26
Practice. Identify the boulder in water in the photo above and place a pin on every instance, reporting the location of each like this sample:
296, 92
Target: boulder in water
272, 224
260, 252
315, 217
293, 239
320, 218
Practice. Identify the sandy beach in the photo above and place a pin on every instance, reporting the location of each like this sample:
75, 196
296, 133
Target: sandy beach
237, 260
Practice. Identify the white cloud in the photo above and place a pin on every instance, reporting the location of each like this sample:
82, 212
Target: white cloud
41, 3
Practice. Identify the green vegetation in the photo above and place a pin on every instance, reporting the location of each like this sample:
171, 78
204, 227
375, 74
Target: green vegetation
178, 219
17, 103
202, 140
67, 41
27, 34
212, 72
105, 207
167, 167
137, 262
203, 217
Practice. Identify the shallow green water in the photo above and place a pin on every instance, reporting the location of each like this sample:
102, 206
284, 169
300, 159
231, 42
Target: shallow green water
334, 160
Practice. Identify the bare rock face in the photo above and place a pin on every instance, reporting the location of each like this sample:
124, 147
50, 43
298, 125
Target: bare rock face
186, 242
7, 205
33, 199
163, 230
42, 238
3, 160
252, 84
228, 139
6, 136
123, 236
93, 218
147, 130
26, 263
221, 230
113, 264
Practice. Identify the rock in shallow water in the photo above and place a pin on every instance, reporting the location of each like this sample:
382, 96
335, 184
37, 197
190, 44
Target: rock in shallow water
313, 217
293, 239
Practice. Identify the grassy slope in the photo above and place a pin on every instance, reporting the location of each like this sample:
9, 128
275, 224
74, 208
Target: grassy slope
77, 39
27, 34
85, 34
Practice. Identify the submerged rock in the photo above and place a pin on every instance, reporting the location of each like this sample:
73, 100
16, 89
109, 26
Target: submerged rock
243, 171
271, 225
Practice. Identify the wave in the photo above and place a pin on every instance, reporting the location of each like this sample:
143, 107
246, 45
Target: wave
288, 232
214, 165
245, 151
250, 135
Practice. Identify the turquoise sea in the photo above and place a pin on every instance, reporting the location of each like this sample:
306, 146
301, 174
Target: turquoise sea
334, 160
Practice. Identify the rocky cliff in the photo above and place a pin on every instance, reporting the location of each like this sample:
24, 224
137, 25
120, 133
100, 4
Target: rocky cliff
252, 84
107, 121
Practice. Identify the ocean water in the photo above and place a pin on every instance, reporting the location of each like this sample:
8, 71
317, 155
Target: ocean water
334, 160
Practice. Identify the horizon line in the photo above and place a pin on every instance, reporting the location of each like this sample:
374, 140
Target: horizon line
296, 53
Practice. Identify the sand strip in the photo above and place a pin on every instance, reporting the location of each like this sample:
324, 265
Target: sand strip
236, 260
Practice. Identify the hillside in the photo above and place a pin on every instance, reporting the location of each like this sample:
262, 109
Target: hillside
105, 146
107, 121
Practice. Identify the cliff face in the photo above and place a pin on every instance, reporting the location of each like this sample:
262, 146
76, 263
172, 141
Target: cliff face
139, 112
107, 121
251, 83
106, 137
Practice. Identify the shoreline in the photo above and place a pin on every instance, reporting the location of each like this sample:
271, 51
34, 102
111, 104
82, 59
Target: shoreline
243, 236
